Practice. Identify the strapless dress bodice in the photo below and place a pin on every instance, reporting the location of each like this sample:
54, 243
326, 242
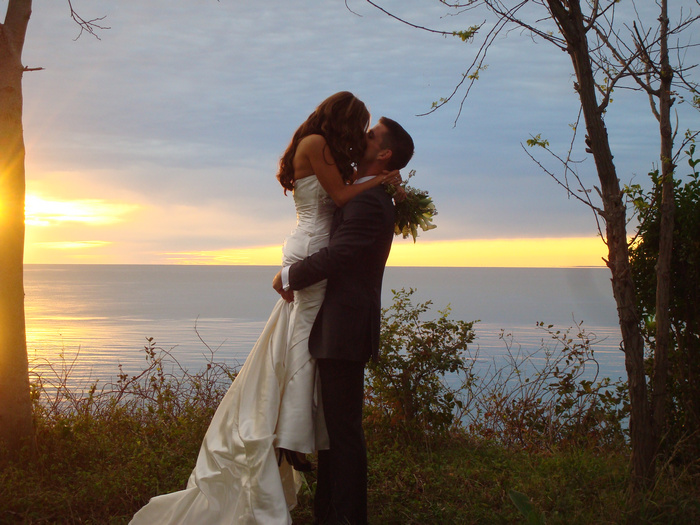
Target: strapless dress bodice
315, 210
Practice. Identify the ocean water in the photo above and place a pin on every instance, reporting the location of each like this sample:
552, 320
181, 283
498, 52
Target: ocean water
100, 316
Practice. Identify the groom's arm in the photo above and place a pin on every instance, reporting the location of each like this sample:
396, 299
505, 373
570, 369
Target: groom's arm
362, 222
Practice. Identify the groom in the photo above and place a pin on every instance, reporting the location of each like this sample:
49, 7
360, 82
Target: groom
346, 331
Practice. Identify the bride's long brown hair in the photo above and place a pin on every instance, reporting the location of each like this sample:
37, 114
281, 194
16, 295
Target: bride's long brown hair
343, 121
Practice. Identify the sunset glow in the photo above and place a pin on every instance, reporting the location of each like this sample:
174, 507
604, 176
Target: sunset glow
98, 231
255, 256
523, 253
40, 211
71, 245
555, 253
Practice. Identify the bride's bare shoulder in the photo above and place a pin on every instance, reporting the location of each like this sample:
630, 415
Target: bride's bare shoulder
309, 151
312, 143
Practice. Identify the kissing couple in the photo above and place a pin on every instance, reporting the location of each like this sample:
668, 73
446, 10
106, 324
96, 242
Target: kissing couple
301, 389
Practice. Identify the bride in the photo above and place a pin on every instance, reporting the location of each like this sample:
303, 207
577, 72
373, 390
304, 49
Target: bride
271, 417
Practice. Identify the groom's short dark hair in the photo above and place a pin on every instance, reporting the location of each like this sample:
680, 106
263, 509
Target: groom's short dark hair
399, 142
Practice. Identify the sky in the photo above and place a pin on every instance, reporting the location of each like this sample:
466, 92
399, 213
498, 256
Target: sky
158, 143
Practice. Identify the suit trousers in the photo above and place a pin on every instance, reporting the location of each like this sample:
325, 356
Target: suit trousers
341, 489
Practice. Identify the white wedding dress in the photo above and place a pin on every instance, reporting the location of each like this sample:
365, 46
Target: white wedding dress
273, 403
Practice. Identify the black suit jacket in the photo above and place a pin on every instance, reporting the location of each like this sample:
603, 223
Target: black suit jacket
347, 325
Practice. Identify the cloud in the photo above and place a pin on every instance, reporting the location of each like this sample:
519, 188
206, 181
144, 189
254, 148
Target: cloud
71, 245
40, 211
184, 108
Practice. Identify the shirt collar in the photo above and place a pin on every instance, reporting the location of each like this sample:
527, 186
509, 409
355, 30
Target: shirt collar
365, 179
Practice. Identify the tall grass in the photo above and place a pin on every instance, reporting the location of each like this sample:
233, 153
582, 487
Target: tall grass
104, 451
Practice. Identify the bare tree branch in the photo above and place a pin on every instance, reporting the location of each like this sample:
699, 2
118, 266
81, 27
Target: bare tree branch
571, 193
88, 26
404, 21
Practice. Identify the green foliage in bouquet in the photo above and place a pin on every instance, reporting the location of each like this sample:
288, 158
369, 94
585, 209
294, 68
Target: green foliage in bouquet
415, 211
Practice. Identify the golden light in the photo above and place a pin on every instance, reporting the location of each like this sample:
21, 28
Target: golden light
44, 212
255, 256
71, 245
518, 253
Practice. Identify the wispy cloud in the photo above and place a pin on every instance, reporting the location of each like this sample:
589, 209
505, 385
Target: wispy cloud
44, 211
265, 255
72, 245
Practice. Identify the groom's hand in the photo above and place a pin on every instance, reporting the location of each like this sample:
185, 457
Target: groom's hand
287, 295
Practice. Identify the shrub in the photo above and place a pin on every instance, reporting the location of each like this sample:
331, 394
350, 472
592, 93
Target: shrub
682, 436
424, 384
408, 387
550, 396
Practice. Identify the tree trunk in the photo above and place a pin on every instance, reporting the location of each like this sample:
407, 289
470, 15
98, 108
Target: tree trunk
572, 26
16, 427
663, 263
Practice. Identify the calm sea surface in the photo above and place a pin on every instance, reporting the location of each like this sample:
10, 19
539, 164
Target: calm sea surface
100, 316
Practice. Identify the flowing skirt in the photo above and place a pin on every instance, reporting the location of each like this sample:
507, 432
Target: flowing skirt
274, 402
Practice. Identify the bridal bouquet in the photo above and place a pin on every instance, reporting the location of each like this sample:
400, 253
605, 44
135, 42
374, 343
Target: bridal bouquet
416, 210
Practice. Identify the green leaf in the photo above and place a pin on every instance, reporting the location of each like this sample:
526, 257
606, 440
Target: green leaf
468, 34
537, 140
